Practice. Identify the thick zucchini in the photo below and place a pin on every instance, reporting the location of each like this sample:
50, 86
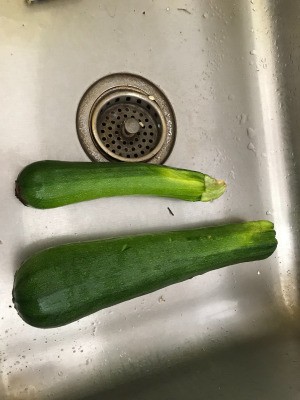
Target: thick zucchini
62, 284
48, 184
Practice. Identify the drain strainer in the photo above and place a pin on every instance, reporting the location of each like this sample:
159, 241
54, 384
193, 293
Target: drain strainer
128, 125
124, 117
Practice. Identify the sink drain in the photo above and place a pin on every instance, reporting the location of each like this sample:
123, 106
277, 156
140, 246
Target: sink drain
124, 117
127, 125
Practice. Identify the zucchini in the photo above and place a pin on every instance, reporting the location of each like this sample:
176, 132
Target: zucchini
48, 184
62, 284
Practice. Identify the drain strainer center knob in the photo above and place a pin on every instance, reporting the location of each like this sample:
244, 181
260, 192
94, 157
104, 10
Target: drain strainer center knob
131, 127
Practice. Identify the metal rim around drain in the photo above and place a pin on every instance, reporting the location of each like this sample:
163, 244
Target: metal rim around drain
124, 117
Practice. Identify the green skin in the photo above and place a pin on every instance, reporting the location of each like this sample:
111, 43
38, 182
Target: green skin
49, 184
62, 284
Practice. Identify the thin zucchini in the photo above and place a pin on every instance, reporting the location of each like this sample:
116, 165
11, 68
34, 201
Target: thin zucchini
62, 284
49, 184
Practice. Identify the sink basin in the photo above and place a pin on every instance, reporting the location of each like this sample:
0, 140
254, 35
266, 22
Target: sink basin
231, 72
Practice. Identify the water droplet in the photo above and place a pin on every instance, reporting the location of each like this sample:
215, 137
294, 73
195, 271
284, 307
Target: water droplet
161, 299
125, 247
205, 15
251, 147
242, 118
253, 52
251, 133
268, 212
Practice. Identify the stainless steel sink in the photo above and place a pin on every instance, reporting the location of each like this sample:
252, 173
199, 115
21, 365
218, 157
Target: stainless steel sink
231, 71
